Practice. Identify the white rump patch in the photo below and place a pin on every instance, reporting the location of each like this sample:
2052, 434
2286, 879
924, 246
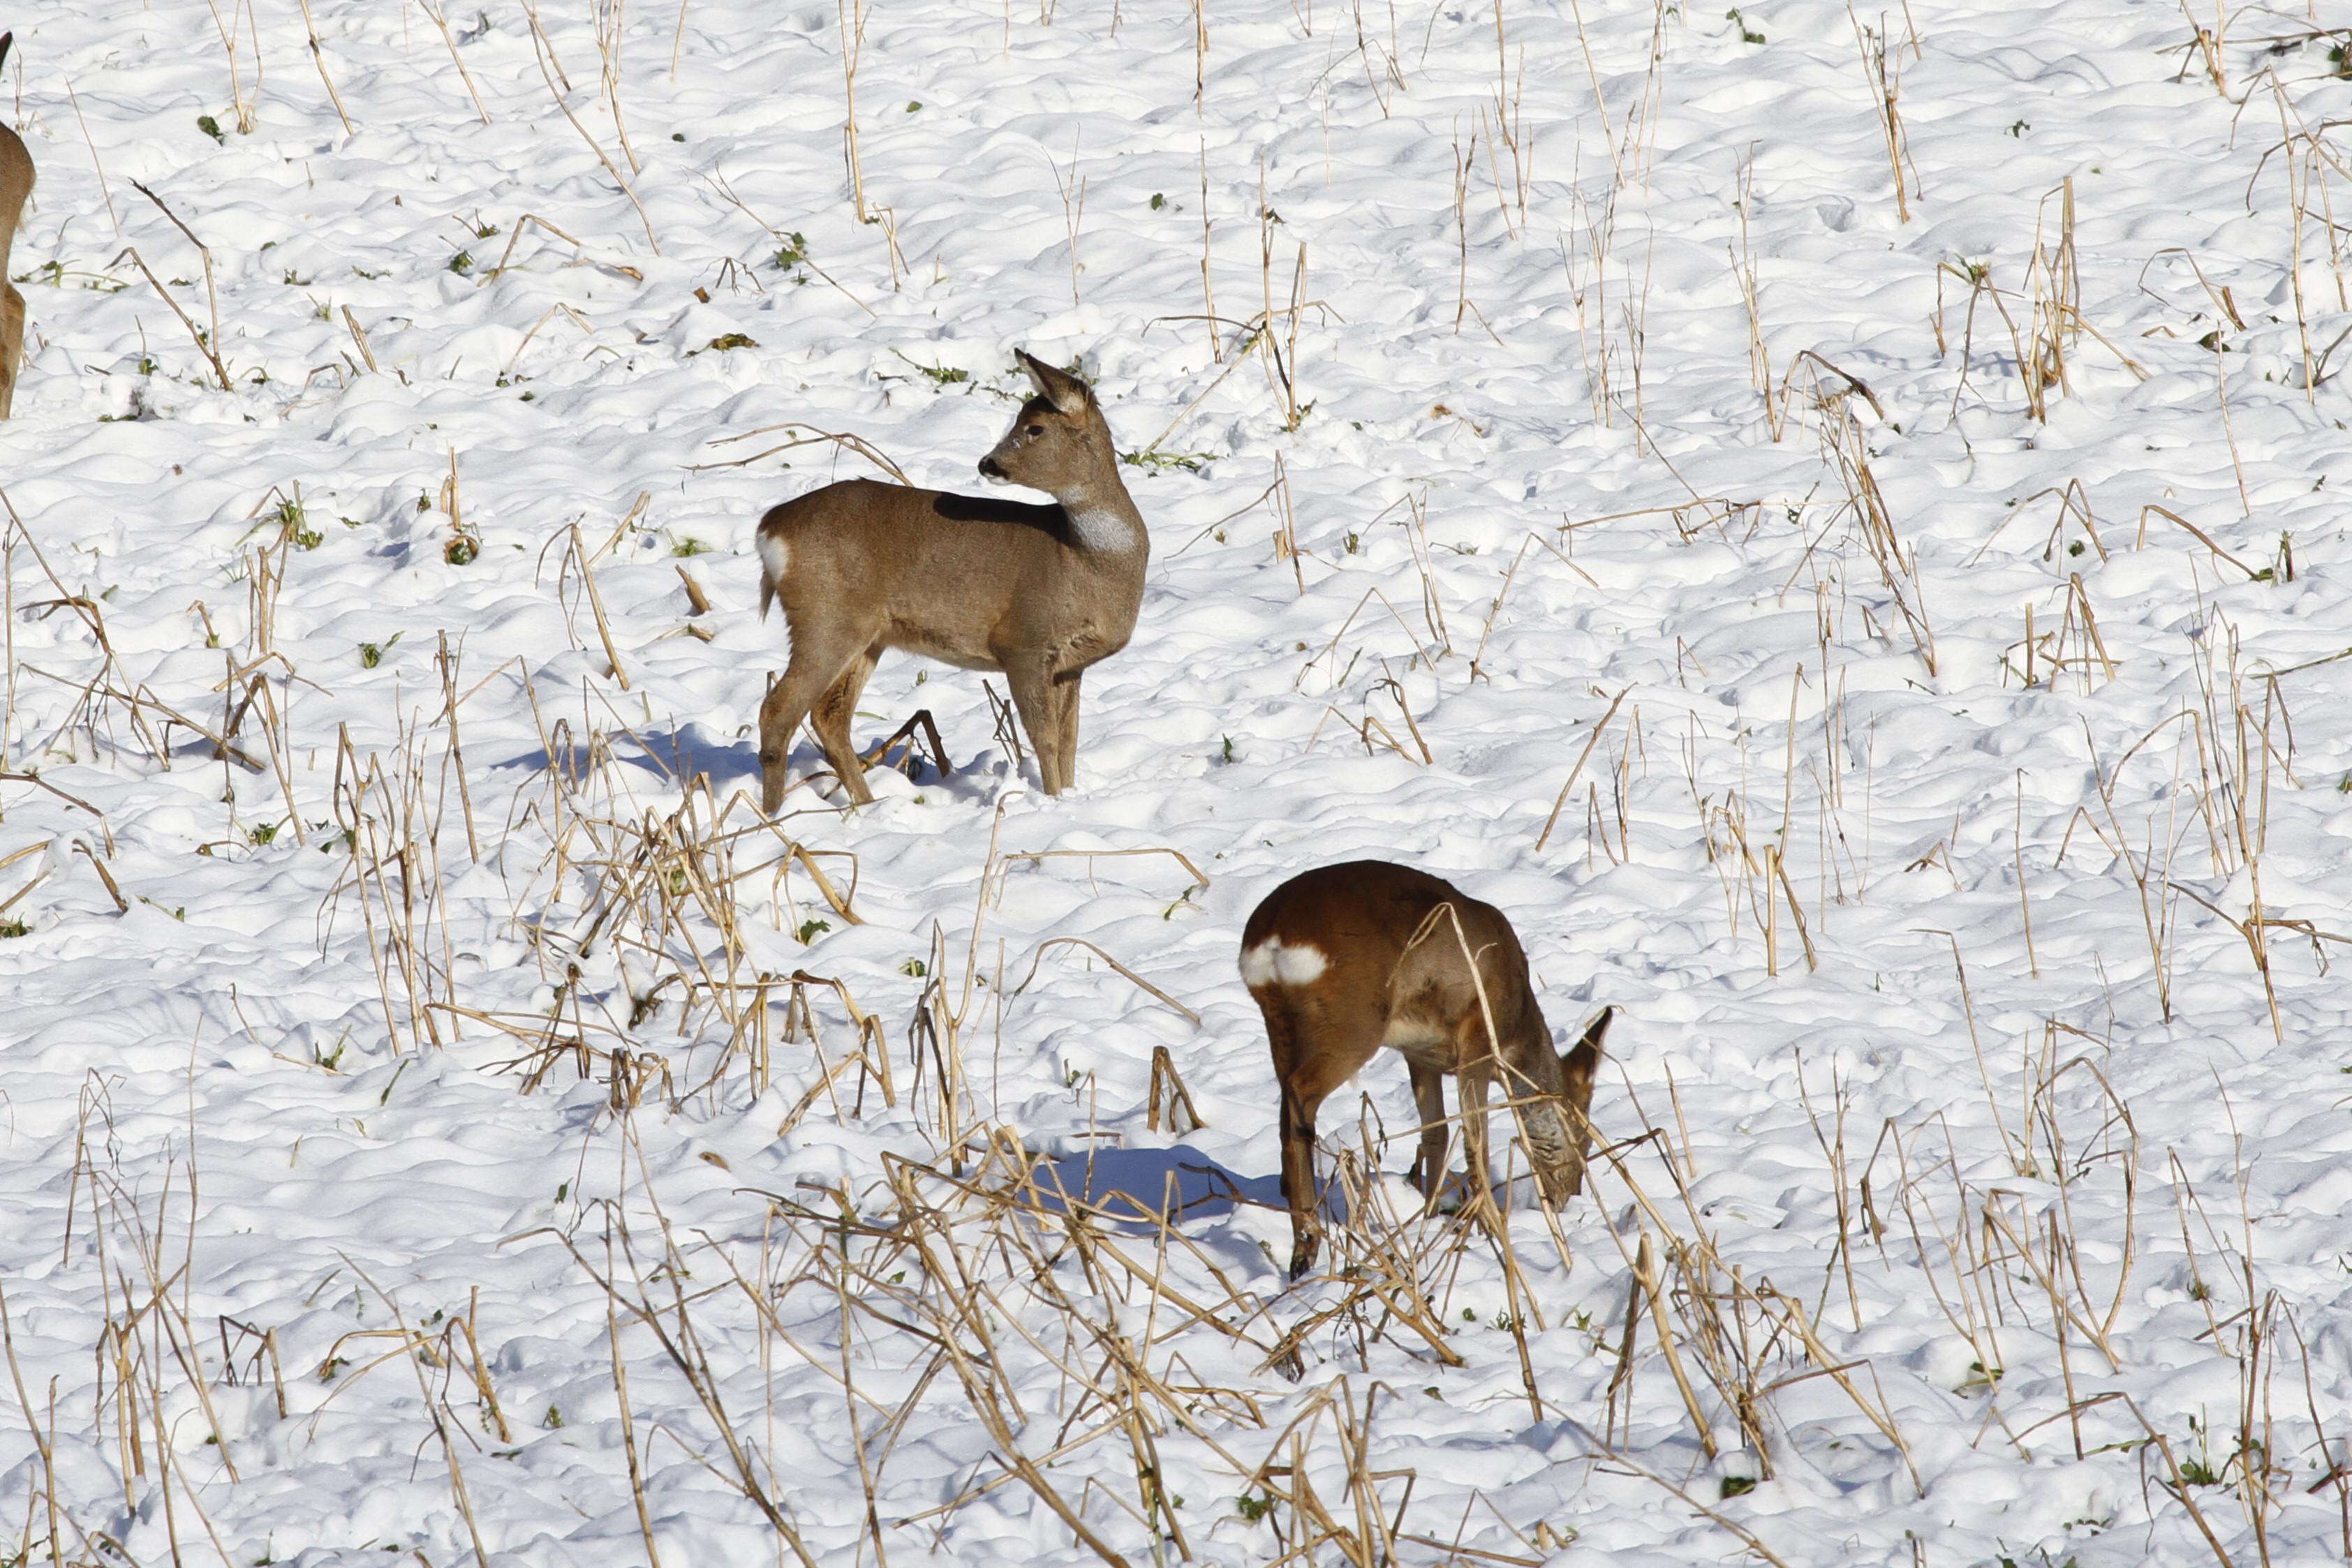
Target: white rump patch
775, 555
1272, 963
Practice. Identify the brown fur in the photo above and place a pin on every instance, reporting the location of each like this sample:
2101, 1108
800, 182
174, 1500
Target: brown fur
16, 189
1038, 592
1395, 946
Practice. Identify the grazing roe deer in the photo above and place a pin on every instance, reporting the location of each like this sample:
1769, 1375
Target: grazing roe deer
1344, 959
1038, 592
16, 189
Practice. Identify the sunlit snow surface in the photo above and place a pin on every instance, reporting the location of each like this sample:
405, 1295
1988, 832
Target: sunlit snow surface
1516, 253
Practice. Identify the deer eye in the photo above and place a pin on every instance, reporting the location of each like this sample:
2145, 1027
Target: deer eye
1036, 430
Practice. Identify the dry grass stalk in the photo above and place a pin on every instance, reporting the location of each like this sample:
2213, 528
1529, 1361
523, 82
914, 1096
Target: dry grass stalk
851, 16
387, 826
243, 103
1285, 529
607, 15
360, 339
1733, 1362
1510, 575
1200, 94
1779, 872
543, 51
1599, 228
979, 1266
433, 15
1463, 161
1122, 969
576, 553
672, 1326
2054, 282
847, 442
1599, 100
110, 686
1510, 129
2074, 505
2228, 434
2303, 171
1845, 450
1642, 121
1339, 679
2208, 42
1388, 80
1170, 1101
1885, 87
2201, 536
1004, 864
506, 260
318, 58
207, 344
665, 912
1743, 263
1589, 741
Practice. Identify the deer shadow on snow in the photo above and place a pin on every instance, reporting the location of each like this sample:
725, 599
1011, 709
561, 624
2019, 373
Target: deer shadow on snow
1145, 1187
1139, 1189
668, 758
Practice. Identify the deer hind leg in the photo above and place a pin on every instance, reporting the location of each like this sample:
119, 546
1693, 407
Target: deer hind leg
12, 343
1311, 1058
830, 719
817, 665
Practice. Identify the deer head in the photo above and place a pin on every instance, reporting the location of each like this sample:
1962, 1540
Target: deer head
1058, 444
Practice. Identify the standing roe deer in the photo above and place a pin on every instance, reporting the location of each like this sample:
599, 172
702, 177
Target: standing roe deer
1345, 958
1036, 591
16, 189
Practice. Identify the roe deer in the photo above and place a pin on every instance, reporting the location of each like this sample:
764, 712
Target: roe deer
1036, 591
16, 189
1345, 958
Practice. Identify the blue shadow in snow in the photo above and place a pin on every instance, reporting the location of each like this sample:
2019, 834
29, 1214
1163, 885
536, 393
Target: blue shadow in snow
662, 755
1149, 1186
668, 757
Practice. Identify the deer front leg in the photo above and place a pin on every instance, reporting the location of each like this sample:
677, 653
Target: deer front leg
12, 343
1471, 1085
1429, 1097
1064, 692
1030, 673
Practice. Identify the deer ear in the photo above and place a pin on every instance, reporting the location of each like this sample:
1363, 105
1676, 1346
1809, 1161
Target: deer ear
1581, 1061
1063, 390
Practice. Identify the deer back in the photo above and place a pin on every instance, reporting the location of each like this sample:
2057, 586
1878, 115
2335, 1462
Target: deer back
16, 178
1417, 948
16, 186
941, 574
1460, 993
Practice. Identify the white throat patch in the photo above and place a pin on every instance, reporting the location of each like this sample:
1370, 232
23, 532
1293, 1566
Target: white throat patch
1099, 529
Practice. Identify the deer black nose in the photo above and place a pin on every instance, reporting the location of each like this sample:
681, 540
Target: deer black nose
988, 466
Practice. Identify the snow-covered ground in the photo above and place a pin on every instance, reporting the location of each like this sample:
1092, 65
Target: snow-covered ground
445, 1125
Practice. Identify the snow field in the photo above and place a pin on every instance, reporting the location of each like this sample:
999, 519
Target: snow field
1628, 446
